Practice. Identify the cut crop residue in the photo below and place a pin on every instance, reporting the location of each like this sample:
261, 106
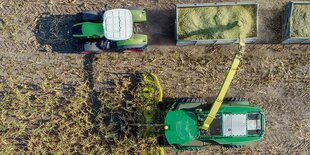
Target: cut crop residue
300, 21
216, 22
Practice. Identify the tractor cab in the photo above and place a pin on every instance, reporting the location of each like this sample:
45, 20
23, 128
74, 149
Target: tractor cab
117, 24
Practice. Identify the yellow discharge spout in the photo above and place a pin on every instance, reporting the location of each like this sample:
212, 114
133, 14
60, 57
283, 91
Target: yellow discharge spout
225, 86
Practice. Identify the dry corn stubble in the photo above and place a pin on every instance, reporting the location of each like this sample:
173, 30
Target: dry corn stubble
44, 119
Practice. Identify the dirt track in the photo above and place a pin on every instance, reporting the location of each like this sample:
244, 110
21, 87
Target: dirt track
35, 41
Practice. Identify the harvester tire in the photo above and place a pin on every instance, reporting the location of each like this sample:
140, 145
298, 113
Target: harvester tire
234, 146
192, 100
233, 99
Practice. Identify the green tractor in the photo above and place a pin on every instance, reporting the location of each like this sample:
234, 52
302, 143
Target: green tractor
193, 124
111, 30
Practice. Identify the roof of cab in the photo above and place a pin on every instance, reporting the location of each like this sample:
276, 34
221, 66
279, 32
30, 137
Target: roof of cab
118, 24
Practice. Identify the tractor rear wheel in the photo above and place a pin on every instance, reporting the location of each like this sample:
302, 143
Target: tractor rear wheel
88, 16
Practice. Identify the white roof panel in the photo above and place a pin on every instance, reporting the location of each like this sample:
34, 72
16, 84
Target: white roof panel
234, 125
117, 24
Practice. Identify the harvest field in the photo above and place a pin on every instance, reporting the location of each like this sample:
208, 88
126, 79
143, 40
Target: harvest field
53, 101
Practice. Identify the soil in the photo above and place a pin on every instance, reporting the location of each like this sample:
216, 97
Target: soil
223, 22
39, 64
300, 21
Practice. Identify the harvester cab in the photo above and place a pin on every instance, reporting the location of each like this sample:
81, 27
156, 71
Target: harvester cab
110, 30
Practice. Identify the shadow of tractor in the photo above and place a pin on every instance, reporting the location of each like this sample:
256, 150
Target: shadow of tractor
160, 27
55, 31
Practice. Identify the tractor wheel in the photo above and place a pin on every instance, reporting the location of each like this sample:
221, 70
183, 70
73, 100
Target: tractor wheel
234, 146
88, 16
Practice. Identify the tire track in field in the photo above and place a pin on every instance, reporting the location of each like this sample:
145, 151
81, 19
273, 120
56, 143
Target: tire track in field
281, 124
8, 10
60, 9
287, 105
34, 8
34, 46
285, 141
18, 46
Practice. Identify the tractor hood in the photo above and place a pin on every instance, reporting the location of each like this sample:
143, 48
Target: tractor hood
180, 127
88, 30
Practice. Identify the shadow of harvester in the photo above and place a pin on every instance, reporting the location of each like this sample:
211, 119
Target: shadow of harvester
55, 31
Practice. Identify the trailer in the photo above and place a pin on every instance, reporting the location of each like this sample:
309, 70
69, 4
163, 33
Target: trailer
216, 23
296, 23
